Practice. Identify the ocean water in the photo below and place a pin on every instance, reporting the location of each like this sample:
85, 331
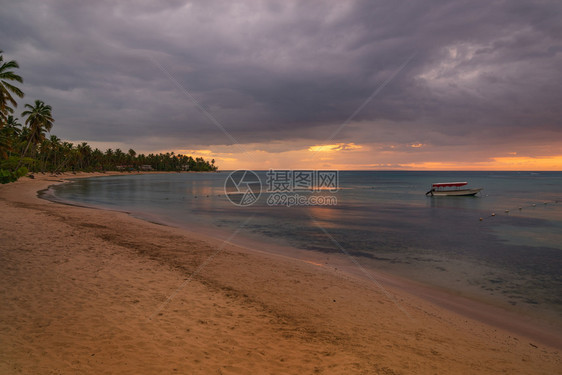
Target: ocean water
511, 258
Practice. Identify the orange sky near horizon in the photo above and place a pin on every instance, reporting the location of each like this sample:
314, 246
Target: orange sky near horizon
351, 156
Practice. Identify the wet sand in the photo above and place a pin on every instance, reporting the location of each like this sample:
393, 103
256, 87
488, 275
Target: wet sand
100, 292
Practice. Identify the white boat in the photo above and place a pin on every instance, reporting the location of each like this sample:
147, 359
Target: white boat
452, 189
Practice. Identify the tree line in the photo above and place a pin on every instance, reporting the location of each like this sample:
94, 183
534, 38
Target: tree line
30, 147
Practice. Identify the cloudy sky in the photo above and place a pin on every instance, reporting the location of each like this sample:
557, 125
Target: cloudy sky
308, 84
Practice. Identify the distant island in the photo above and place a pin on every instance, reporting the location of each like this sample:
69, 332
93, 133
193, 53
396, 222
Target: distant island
26, 148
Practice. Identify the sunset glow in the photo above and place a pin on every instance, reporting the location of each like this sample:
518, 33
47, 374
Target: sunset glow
370, 157
274, 93
334, 147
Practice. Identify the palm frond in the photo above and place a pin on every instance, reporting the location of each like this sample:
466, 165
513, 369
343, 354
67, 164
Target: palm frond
14, 89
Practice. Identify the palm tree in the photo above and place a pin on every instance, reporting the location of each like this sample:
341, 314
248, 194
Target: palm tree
9, 135
65, 150
39, 119
13, 124
5, 145
7, 89
84, 152
97, 159
119, 157
54, 150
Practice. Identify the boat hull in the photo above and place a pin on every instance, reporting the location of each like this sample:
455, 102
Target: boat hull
455, 193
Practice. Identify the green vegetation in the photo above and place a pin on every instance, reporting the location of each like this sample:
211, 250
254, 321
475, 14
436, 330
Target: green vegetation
6, 88
31, 147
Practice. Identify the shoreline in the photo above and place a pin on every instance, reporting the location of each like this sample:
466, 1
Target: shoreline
485, 311
295, 301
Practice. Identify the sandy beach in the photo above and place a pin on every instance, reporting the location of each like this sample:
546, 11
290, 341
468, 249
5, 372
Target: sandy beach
89, 291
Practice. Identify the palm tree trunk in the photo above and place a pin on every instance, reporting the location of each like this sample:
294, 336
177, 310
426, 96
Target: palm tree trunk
25, 151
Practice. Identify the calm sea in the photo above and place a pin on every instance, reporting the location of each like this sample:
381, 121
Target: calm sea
386, 222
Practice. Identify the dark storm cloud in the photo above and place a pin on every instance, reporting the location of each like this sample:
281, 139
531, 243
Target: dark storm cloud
483, 72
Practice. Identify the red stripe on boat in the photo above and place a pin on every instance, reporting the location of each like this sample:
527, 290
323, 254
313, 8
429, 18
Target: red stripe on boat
447, 184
